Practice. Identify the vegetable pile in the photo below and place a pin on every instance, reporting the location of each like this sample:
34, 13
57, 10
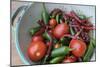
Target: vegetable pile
61, 37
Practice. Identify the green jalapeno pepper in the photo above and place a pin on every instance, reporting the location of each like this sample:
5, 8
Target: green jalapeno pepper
62, 51
57, 59
89, 52
45, 15
32, 31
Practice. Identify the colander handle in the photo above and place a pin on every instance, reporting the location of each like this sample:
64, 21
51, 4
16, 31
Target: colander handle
17, 12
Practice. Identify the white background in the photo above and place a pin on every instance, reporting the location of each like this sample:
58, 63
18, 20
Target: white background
5, 33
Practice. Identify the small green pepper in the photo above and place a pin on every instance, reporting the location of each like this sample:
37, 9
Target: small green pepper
94, 42
62, 51
58, 18
56, 60
72, 31
81, 16
45, 15
89, 52
32, 31
52, 16
46, 36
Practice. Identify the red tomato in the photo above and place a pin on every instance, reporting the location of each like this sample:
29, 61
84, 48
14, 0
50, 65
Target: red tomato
78, 46
52, 22
60, 30
37, 50
70, 59
37, 38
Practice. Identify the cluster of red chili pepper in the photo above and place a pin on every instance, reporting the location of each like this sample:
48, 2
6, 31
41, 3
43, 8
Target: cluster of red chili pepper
77, 23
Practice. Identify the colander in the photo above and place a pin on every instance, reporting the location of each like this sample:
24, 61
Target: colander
29, 14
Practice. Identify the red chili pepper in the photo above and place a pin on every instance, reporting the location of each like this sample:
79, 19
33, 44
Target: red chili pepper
40, 31
75, 16
84, 20
68, 15
88, 28
75, 36
84, 27
41, 23
67, 35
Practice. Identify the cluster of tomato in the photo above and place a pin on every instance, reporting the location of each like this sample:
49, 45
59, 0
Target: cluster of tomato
38, 48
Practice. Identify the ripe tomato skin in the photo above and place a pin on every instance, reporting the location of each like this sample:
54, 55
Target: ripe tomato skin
70, 59
37, 38
36, 50
60, 30
52, 22
78, 46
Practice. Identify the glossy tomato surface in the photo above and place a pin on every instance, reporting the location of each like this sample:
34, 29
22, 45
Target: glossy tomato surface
37, 38
78, 46
60, 30
37, 50
52, 22
70, 59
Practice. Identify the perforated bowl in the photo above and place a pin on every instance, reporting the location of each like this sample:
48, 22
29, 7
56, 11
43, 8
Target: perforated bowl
28, 17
